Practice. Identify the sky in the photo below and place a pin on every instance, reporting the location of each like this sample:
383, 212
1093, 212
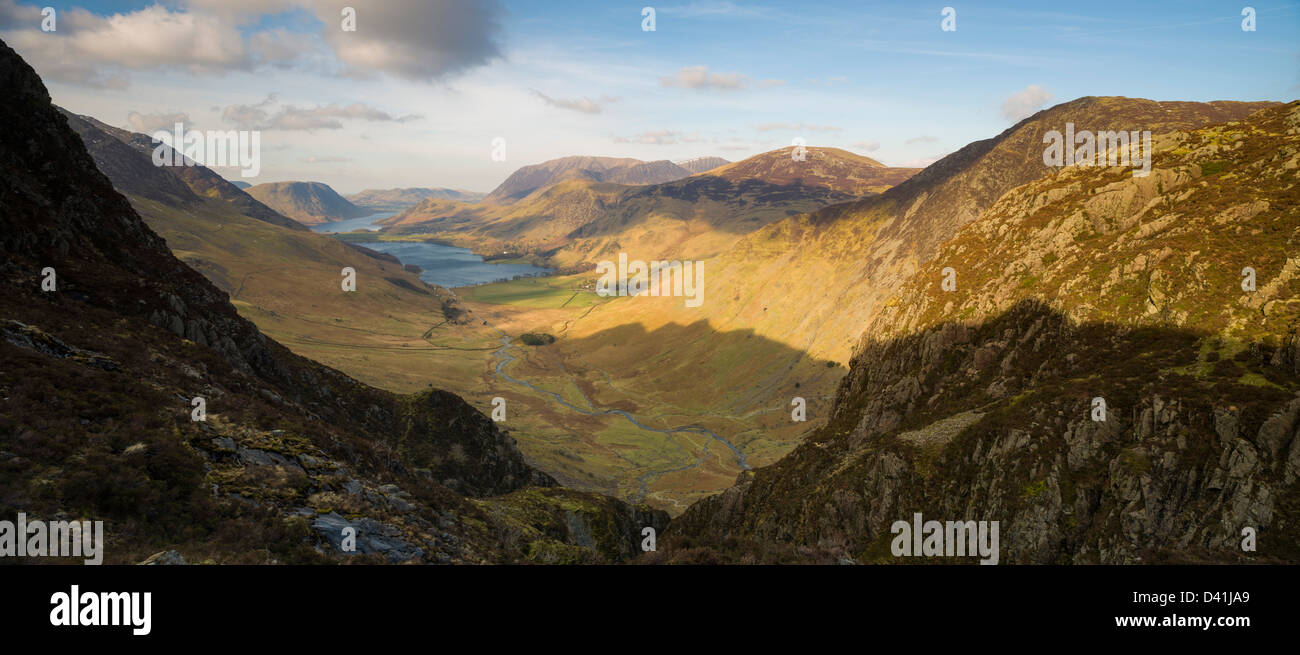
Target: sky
417, 94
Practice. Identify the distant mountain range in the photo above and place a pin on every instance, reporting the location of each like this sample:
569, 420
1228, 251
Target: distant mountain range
383, 200
530, 179
309, 203
702, 164
579, 219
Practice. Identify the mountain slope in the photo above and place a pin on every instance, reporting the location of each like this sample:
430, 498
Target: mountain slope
845, 261
614, 170
247, 259
308, 203
133, 178
702, 164
811, 286
829, 168
291, 451
978, 403
383, 200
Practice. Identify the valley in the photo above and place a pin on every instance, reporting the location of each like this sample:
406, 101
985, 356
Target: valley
1097, 351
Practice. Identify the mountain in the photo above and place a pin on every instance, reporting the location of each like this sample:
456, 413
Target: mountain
804, 289
181, 186
578, 221
386, 200
1086, 283
309, 203
241, 184
614, 170
830, 168
245, 256
702, 164
96, 417
846, 260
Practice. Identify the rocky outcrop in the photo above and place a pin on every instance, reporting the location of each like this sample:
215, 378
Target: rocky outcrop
456, 445
997, 422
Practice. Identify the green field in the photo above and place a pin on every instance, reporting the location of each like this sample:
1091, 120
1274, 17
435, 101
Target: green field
537, 293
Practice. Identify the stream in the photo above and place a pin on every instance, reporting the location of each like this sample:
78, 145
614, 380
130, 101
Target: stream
504, 355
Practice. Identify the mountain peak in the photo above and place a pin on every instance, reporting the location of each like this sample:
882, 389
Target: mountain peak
308, 203
832, 168
702, 164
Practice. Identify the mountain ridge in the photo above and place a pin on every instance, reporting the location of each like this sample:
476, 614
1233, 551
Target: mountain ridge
380, 200
616, 170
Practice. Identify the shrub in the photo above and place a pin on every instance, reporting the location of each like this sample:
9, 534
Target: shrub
536, 338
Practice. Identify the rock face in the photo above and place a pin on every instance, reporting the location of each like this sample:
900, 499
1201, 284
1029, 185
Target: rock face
461, 448
102, 374
1178, 468
1104, 244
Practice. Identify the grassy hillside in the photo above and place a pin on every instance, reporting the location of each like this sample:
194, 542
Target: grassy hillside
1088, 283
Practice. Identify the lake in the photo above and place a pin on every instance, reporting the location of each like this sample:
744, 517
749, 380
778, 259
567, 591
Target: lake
353, 224
446, 266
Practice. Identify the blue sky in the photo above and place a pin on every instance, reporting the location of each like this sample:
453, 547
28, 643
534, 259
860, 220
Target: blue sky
416, 95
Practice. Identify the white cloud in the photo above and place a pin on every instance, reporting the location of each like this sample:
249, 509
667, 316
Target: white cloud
584, 105
150, 123
660, 138
699, 77
1025, 102
922, 139
831, 80
149, 39
289, 117
423, 40
866, 146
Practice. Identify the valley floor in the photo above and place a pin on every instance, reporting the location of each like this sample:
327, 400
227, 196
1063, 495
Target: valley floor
582, 408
